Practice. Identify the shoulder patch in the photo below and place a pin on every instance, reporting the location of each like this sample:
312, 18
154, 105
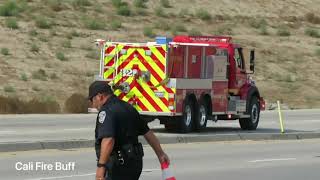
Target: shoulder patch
102, 116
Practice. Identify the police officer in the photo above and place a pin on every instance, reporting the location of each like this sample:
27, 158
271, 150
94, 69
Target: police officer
118, 125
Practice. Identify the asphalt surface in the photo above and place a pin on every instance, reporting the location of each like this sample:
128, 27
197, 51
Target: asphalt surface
243, 160
30, 128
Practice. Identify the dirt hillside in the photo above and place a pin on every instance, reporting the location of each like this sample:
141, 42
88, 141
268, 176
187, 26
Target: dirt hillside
47, 50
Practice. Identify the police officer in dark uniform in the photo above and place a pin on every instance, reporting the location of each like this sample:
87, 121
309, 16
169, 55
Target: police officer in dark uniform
118, 125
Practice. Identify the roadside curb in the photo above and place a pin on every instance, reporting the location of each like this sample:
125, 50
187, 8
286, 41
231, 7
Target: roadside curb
174, 139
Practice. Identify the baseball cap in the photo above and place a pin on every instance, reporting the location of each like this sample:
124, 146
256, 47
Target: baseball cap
99, 87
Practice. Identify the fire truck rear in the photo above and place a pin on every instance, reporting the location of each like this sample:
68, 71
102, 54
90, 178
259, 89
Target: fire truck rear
184, 81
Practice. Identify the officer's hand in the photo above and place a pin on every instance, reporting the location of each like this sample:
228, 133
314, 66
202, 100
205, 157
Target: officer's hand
100, 173
164, 158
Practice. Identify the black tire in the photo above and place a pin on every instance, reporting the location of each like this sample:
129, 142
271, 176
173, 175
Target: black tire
186, 121
201, 116
254, 112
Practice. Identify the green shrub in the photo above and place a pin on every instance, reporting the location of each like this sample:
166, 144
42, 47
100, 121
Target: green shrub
43, 23
159, 12
139, 3
61, 56
81, 3
141, 11
163, 25
75, 33
148, 31
9, 89
118, 3
165, 3
224, 30
195, 32
11, 23
55, 5
124, 11
76, 103
9, 8
53, 32
33, 33
34, 48
23, 77
312, 32
203, 15
5, 51
54, 76
184, 13
89, 74
35, 88
179, 28
258, 23
317, 52
115, 24
263, 30
40, 74
283, 31
66, 44
312, 18
95, 24
43, 38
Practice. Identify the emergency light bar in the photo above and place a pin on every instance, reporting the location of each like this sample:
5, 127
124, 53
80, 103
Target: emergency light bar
190, 44
202, 39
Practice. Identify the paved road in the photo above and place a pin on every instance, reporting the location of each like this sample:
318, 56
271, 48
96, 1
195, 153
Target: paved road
245, 160
26, 128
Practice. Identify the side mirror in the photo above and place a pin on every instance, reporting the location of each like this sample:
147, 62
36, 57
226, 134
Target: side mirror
252, 56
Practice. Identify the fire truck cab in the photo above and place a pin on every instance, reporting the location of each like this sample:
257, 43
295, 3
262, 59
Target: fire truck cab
184, 81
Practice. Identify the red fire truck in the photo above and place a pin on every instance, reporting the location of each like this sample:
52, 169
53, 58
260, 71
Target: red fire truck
184, 81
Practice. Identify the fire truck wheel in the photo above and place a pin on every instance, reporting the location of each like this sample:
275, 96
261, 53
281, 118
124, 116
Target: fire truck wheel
186, 121
202, 116
254, 111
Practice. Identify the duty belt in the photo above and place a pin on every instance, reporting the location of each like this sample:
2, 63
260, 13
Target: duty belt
127, 152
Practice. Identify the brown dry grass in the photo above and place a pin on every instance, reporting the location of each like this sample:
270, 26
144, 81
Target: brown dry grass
76, 103
287, 67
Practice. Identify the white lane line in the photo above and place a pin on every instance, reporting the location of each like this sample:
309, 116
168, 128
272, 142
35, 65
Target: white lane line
150, 170
82, 175
59, 177
7, 132
77, 129
270, 160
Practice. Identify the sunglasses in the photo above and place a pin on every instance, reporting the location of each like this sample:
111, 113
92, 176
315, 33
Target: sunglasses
91, 99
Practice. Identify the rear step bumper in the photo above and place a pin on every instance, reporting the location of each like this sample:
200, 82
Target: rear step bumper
148, 113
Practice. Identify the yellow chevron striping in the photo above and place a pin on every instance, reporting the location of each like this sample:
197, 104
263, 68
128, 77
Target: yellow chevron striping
153, 80
108, 72
144, 101
151, 62
156, 52
113, 53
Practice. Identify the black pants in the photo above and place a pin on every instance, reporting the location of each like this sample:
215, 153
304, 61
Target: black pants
131, 170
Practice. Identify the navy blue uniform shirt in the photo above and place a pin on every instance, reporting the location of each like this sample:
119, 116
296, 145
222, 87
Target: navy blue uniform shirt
119, 120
